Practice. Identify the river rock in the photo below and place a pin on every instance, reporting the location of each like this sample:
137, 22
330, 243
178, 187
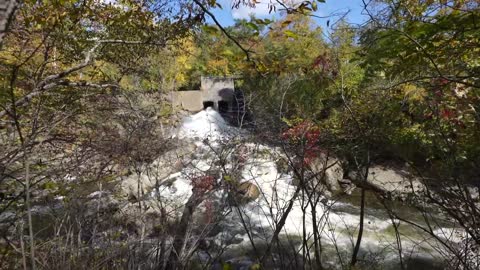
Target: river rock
246, 192
395, 180
391, 179
333, 173
153, 174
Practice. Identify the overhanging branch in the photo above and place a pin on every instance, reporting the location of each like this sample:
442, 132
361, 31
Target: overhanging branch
217, 23
54, 80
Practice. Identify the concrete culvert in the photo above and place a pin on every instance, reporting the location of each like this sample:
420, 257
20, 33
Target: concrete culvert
207, 104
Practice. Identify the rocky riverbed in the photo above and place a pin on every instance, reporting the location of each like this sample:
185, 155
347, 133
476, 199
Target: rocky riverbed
250, 192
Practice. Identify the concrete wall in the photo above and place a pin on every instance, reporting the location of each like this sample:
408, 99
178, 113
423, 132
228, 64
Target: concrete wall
212, 89
217, 88
188, 100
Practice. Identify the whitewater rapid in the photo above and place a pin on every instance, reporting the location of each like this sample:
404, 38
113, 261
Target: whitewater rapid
276, 190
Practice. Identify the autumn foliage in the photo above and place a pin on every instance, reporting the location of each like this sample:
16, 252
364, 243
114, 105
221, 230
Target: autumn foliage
307, 135
202, 184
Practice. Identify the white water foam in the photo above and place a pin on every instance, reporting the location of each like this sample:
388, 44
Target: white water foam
277, 189
207, 124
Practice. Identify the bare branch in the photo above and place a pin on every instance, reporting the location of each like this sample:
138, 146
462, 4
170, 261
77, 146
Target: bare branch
247, 52
52, 81
126, 42
7, 11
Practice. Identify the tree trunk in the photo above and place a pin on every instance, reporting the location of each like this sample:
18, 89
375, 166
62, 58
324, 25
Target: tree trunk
360, 230
179, 242
7, 11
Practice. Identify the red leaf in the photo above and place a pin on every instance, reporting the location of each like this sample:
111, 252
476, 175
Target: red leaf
447, 114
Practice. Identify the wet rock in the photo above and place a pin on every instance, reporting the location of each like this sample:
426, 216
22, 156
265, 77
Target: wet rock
393, 180
249, 191
245, 193
347, 186
333, 172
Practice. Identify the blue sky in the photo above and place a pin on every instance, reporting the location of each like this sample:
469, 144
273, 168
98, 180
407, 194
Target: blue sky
353, 8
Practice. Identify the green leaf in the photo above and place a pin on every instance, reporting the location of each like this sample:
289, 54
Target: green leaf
263, 22
227, 178
227, 266
209, 29
290, 34
228, 52
252, 26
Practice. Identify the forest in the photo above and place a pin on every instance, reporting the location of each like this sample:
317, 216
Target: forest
348, 145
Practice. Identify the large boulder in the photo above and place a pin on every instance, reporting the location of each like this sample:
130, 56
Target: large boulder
393, 179
245, 193
153, 174
333, 172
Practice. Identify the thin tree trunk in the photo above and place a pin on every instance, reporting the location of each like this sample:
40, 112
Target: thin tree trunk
399, 240
29, 211
179, 242
360, 230
280, 224
22, 246
316, 237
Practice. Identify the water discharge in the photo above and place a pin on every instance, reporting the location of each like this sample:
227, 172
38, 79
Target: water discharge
337, 219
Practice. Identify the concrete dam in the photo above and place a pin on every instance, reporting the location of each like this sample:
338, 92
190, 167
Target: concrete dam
218, 93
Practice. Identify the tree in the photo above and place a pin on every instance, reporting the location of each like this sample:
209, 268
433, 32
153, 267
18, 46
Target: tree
7, 12
421, 60
51, 67
426, 61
